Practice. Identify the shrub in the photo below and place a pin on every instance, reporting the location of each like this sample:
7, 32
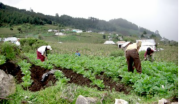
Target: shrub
31, 44
9, 50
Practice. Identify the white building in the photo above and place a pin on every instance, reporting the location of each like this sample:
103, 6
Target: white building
109, 42
77, 30
12, 40
147, 43
59, 34
50, 30
120, 43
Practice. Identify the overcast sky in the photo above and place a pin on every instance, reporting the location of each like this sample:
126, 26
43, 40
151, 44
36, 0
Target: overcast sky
161, 15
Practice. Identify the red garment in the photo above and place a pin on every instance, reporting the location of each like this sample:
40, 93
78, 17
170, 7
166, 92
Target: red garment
152, 51
40, 56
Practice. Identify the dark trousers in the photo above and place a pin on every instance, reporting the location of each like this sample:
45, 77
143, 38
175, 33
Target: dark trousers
133, 57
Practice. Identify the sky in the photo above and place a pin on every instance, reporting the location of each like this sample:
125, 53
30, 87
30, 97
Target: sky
161, 15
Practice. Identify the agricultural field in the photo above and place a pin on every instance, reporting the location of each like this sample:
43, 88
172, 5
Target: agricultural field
100, 72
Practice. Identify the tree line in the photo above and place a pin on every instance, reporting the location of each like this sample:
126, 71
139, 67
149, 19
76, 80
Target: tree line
14, 16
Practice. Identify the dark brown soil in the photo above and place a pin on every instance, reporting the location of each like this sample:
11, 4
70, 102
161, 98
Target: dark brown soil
37, 84
36, 76
76, 78
12, 69
110, 84
174, 99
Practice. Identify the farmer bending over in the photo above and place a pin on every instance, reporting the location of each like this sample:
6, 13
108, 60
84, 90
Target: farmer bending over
132, 56
41, 52
149, 54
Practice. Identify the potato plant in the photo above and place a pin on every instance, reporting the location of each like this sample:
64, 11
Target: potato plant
149, 83
2, 59
26, 72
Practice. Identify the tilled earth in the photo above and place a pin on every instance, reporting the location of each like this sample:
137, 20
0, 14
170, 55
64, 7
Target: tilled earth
37, 84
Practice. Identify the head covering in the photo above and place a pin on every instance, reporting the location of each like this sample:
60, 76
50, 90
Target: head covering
125, 44
49, 47
139, 43
148, 49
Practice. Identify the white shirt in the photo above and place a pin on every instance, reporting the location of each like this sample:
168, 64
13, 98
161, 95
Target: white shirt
17, 43
42, 49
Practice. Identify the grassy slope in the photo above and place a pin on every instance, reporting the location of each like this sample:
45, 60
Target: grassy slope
6, 31
35, 31
71, 44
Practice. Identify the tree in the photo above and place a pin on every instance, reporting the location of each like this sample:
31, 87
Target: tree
19, 29
156, 32
11, 28
104, 36
31, 10
144, 32
153, 36
142, 36
57, 17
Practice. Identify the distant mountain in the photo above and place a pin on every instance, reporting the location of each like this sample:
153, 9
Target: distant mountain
14, 16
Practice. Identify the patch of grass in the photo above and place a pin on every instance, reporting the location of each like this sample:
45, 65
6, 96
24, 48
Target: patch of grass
84, 48
67, 94
169, 54
4, 31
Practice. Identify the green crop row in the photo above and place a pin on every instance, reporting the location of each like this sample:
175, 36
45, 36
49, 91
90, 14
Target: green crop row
157, 78
26, 72
2, 59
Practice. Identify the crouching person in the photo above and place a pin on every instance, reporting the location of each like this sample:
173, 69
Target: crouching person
132, 56
149, 54
42, 52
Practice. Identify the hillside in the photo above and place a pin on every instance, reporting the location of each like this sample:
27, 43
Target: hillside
13, 16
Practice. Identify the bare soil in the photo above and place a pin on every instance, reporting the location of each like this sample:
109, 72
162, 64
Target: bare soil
37, 84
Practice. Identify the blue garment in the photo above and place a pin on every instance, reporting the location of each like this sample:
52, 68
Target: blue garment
78, 54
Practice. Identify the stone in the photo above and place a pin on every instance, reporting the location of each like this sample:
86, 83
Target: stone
120, 101
7, 84
85, 100
174, 103
162, 101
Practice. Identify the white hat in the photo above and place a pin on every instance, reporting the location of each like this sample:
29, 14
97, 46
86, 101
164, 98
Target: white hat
125, 44
49, 47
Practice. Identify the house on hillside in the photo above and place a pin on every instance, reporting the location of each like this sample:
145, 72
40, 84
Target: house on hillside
120, 43
101, 32
147, 43
77, 30
109, 42
55, 31
89, 31
50, 30
59, 34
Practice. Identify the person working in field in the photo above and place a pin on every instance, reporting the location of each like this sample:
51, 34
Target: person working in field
41, 51
149, 54
77, 53
132, 56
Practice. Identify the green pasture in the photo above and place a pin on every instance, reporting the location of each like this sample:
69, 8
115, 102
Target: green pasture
4, 31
